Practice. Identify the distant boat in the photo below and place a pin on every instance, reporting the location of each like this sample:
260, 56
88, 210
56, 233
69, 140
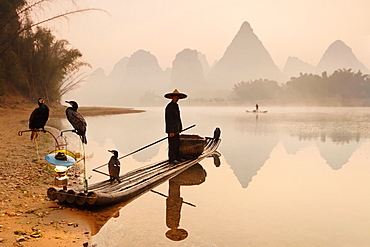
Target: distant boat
256, 111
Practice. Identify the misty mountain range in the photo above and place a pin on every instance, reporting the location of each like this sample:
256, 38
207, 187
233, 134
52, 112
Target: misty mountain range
139, 80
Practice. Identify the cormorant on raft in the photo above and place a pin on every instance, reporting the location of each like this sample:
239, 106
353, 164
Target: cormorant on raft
38, 118
114, 166
76, 120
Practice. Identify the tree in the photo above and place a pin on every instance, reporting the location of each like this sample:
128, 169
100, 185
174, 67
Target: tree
347, 84
306, 86
49, 64
31, 60
341, 86
261, 89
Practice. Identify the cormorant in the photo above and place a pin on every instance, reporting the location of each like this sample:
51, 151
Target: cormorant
114, 166
38, 118
76, 120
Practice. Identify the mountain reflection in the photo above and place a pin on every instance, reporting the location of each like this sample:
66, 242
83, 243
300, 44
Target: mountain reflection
248, 139
248, 153
249, 143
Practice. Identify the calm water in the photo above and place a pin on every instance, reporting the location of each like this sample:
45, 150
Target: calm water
290, 177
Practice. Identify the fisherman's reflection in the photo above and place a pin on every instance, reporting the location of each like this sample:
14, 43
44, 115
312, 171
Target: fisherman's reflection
195, 175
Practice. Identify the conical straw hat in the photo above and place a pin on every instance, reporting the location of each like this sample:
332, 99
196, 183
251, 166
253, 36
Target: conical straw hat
175, 93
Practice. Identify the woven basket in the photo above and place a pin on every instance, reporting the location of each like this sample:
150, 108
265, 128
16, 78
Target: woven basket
191, 146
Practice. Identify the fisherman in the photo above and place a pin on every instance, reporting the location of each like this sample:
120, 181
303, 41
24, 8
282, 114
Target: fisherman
256, 107
173, 126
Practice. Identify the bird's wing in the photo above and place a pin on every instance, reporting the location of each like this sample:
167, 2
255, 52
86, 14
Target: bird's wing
32, 120
77, 120
37, 119
111, 161
45, 114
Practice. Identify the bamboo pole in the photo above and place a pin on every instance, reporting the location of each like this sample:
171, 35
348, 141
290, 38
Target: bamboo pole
151, 144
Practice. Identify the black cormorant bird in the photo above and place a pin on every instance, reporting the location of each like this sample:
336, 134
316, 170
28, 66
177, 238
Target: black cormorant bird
38, 118
77, 120
114, 166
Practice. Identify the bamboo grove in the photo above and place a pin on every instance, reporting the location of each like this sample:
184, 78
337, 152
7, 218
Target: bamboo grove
32, 61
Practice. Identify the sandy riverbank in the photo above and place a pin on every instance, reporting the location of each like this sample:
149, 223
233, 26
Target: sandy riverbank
27, 216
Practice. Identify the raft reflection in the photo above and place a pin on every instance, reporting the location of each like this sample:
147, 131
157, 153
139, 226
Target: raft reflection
97, 217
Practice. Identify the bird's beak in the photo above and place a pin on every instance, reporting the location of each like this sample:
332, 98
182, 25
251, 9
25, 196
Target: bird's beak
111, 151
68, 102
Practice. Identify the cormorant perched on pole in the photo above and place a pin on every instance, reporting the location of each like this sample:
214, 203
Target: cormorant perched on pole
38, 118
114, 166
77, 120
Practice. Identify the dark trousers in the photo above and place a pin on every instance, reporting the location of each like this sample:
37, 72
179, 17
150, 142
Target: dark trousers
174, 148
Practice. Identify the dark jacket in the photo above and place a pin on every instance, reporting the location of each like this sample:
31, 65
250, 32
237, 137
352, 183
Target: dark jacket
173, 119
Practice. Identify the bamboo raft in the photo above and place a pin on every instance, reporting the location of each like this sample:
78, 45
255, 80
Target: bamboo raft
133, 183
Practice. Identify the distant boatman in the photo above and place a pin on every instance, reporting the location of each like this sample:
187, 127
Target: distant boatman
114, 166
173, 126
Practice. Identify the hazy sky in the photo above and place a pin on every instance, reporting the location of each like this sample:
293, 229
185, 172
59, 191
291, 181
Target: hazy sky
300, 28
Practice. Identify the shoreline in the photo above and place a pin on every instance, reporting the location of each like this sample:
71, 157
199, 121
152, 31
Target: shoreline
27, 216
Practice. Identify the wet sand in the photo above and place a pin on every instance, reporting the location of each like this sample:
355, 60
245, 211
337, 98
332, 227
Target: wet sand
27, 216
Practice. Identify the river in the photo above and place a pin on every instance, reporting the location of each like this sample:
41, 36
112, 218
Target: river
290, 177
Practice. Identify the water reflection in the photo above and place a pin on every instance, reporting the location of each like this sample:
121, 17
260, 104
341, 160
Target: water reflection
337, 133
248, 139
269, 164
98, 217
195, 175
